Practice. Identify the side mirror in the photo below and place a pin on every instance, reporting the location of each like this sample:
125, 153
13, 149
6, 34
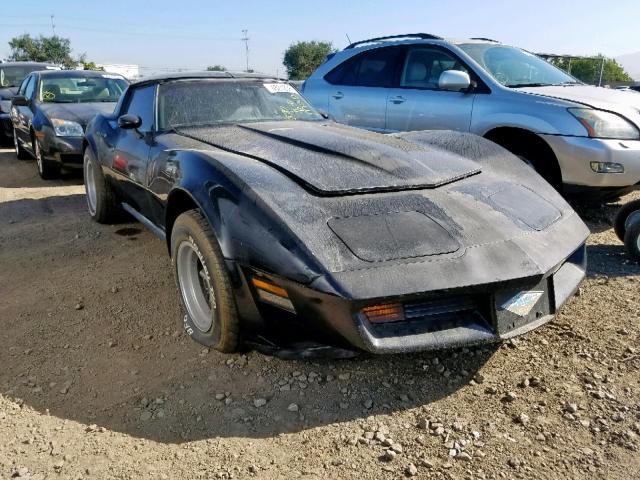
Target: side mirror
454, 80
19, 101
129, 122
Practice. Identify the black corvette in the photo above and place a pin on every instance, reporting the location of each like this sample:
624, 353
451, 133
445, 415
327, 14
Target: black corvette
52, 108
276, 218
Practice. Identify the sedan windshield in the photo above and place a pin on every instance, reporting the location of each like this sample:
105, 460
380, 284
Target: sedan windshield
12, 76
515, 68
206, 102
81, 89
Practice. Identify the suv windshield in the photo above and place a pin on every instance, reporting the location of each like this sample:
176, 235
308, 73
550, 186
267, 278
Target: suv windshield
80, 89
205, 102
12, 76
515, 68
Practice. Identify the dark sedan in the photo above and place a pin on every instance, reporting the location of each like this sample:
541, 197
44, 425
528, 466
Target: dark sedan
11, 75
51, 110
277, 219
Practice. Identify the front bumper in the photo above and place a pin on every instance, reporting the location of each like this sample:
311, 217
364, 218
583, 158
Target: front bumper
440, 319
64, 150
575, 154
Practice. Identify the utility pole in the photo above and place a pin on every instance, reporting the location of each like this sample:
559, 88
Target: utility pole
601, 71
245, 39
53, 25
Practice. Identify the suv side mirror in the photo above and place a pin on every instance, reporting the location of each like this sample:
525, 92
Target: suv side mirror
19, 101
454, 80
129, 122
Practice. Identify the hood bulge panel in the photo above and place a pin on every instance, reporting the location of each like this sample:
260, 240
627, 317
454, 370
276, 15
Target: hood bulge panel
331, 159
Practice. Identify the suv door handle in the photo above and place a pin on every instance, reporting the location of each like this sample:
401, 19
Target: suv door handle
398, 100
338, 95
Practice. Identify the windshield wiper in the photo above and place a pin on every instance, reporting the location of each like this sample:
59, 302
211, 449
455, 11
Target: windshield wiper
521, 85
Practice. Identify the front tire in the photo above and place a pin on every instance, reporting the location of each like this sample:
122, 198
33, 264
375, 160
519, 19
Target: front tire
632, 239
46, 169
101, 199
21, 153
629, 213
211, 317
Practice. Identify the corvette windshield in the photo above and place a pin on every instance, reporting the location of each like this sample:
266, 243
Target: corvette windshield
515, 68
80, 89
206, 102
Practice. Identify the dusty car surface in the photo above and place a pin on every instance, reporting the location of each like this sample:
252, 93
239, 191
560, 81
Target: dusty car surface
579, 137
51, 110
276, 218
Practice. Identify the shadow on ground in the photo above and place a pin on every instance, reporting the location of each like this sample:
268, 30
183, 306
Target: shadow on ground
91, 333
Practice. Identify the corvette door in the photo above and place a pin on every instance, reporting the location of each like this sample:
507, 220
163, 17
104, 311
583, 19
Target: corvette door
132, 148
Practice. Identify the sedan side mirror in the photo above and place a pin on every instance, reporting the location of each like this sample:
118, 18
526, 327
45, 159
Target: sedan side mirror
129, 122
19, 101
454, 80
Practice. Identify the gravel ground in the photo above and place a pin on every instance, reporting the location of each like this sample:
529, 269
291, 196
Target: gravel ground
98, 381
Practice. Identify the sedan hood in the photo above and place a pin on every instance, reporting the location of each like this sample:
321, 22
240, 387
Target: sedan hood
81, 113
619, 101
331, 159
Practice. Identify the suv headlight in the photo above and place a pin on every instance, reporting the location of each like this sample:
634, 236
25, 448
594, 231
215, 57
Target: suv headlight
601, 124
66, 128
5, 106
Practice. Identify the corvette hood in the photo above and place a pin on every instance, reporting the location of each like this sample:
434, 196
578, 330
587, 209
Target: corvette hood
81, 113
625, 103
331, 159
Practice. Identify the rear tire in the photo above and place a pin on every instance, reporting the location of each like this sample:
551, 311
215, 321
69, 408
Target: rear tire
46, 169
632, 239
101, 199
211, 317
627, 214
21, 153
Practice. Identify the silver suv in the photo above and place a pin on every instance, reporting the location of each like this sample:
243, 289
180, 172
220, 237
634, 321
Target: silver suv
575, 135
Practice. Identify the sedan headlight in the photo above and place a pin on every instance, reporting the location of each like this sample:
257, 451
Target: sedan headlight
601, 124
5, 106
66, 128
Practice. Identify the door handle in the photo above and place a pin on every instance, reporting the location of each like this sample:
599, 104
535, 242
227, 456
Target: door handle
398, 100
338, 95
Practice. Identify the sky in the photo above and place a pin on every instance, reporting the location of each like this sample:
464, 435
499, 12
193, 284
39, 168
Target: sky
190, 34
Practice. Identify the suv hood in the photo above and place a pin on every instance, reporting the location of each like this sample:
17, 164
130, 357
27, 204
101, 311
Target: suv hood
619, 101
7, 92
81, 113
332, 159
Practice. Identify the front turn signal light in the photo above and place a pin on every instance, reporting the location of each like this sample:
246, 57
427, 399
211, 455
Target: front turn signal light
389, 312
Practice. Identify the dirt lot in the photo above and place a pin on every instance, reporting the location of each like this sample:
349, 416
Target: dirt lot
98, 381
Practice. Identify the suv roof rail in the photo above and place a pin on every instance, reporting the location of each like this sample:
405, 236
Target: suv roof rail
485, 39
422, 36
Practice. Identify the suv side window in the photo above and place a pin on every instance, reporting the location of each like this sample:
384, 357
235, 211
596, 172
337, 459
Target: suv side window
373, 68
141, 103
424, 65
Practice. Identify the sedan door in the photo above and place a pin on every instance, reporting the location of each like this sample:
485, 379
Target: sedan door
132, 146
23, 114
360, 87
418, 103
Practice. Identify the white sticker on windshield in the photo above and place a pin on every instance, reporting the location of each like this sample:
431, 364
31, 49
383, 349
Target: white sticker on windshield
112, 77
279, 88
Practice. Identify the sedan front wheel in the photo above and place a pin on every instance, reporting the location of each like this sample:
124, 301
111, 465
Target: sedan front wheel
46, 169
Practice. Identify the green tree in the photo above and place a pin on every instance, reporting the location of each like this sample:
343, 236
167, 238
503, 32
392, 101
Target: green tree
91, 66
216, 68
588, 69
302, 58
53, 49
